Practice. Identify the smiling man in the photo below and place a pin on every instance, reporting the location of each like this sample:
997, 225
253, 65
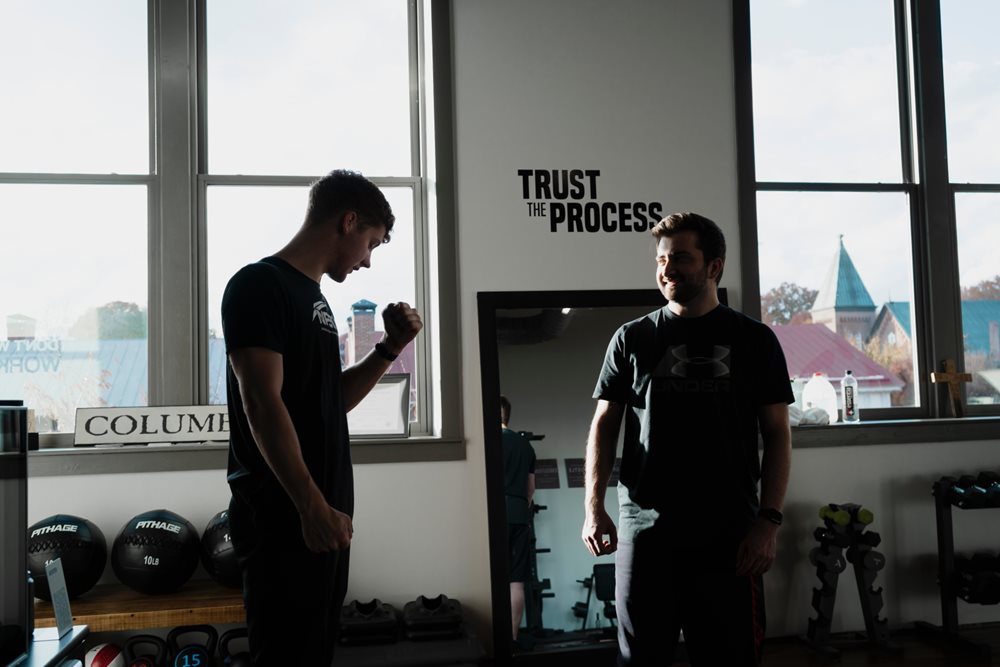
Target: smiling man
289, 455
694, 383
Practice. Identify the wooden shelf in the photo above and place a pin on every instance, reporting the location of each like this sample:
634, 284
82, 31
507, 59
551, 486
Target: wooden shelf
114, 607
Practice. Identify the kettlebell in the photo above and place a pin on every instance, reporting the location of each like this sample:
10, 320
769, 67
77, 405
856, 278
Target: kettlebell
156, 659
192, 655
230, 659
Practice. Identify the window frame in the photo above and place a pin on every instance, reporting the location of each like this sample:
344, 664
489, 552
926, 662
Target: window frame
924, 179
177, 185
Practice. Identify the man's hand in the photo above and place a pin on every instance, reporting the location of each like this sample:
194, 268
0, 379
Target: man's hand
402, 324
757, 550
596, 525
324, 528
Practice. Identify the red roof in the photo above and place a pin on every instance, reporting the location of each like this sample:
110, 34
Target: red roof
810, 348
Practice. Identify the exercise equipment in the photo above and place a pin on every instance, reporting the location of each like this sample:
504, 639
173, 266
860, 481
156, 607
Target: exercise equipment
155, 552
104, 655
226, 653
844, 528
437, 617
77, 542
977, 579
135, 658
192, 655
535, 589
372, 622
601, 586
217, 553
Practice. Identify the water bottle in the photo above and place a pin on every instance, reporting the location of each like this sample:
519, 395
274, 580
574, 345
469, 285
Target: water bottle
849, 389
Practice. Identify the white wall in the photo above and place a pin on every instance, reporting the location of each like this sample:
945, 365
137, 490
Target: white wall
642, 91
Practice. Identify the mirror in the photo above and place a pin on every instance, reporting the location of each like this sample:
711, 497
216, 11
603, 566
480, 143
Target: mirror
543, 351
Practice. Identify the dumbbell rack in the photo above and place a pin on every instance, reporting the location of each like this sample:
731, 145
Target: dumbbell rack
948, 579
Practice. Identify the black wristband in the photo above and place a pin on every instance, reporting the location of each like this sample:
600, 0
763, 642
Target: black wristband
771, 514
382, 351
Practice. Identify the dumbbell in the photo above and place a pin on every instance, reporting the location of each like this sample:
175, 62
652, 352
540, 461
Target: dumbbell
230, 659
156, 659
990, 481
963, 492
192, 655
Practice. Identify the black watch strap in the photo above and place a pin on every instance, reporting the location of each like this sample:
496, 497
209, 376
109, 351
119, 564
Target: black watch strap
771, 514
382, 351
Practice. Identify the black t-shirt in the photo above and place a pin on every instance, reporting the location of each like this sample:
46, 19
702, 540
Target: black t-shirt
692, 388
519, 462
272, 305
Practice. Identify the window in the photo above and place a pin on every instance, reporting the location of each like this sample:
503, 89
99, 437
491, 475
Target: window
150, 155
75, 185
844, 162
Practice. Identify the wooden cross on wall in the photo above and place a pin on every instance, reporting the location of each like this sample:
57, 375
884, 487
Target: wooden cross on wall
954, 380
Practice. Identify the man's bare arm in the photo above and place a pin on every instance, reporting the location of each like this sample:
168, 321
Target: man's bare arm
259, 372
402, 324
759, 549
602, 442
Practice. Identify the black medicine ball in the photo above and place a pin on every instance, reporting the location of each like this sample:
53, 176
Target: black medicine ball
78, 542
217, 553
155, 552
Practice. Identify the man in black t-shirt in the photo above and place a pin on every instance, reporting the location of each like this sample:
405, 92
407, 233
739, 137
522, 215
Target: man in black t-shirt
289, 454
694, 383
519, 488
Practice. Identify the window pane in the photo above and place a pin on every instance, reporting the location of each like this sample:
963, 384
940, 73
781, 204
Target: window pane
76, 92
74, 307
824, 91
305, 88
248, 223
837, 287
978, 217
972, 88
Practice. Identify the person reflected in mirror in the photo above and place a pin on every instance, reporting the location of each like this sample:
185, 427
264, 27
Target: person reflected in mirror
519, 490
694, 382
290, 467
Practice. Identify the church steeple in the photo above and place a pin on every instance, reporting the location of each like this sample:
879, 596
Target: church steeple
843, 303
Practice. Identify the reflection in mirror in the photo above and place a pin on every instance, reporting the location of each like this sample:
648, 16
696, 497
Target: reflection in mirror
543, 351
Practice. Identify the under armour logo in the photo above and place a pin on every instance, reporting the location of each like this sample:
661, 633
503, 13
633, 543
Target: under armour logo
700, 365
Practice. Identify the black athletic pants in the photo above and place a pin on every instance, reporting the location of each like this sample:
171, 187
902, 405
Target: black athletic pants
292, 596
660, 592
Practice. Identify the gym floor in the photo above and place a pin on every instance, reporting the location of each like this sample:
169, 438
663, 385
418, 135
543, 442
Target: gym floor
914, 651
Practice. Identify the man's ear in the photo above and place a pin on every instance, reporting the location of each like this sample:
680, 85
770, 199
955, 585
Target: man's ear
348, 221
715, 268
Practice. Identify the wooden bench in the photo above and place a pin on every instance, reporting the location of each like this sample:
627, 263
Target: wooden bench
114, 607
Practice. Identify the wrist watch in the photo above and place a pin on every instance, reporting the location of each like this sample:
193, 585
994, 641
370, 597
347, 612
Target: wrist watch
771, 514
382, 351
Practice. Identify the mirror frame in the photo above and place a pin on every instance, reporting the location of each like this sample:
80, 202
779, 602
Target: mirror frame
488, 304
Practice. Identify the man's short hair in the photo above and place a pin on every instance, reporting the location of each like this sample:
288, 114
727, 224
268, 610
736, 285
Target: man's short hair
504, 409
341, 191
710, 239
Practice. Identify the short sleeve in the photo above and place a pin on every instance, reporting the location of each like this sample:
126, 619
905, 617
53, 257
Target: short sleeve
614, 384
775, 386
253, 307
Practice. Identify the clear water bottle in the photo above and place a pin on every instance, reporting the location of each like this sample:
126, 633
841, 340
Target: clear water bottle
849, 390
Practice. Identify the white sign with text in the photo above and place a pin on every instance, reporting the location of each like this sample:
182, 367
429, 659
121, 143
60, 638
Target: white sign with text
191, 423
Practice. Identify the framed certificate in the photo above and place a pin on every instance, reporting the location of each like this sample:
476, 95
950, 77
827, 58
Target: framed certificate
385, 411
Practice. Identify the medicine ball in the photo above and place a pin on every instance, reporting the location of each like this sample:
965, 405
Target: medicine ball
104, 655
217, 554
78, 542
155, 552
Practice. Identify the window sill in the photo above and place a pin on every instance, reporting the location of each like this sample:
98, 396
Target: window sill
896, 432
145, 458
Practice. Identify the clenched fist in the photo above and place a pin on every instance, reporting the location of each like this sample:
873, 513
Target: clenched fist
402, 324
